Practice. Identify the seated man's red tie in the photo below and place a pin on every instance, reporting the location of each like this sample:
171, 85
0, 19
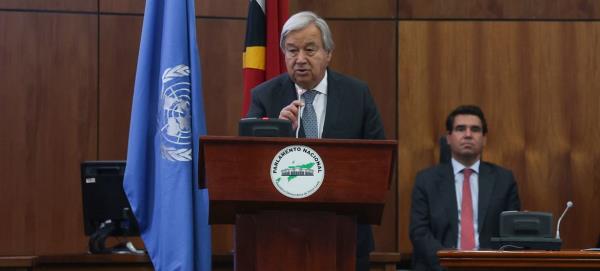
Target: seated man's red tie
467, 232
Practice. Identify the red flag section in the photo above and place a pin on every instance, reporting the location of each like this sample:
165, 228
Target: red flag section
262, 58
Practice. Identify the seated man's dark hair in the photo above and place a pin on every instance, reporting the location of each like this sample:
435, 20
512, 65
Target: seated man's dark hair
466, 110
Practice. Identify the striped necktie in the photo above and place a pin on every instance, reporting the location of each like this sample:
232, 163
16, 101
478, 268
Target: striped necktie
309, 116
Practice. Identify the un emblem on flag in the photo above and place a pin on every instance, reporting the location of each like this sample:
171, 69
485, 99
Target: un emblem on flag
176, 115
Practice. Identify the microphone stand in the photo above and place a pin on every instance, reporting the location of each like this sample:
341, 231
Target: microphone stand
569, 205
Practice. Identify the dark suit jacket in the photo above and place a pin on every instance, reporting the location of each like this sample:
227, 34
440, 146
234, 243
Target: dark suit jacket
434, 211
351, 113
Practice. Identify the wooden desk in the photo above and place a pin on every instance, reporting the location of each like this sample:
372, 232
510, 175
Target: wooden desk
76, 262
380, 261
17, 263
95, 262
519, 260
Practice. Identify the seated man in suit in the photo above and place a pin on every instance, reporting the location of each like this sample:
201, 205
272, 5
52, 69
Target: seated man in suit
328, 104
458, 204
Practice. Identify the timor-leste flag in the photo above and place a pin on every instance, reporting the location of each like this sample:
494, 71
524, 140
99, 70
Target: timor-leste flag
262, 58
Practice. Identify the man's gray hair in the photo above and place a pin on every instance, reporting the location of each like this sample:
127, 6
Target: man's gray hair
300, 21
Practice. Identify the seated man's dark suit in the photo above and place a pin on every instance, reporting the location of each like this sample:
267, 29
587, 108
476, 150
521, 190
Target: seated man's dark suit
351, 113
434, 211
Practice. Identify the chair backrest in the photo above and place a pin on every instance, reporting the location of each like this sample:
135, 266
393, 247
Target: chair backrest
445, 153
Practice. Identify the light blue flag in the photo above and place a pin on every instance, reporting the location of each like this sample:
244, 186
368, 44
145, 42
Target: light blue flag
167, 117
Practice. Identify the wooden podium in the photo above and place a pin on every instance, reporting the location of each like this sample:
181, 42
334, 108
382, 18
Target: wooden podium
275, 232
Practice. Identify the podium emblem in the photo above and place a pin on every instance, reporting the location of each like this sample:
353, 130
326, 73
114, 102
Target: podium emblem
297, 171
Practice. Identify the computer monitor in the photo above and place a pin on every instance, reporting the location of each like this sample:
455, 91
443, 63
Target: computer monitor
265, 127
104, 200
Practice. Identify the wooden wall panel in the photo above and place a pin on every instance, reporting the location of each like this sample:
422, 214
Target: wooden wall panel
418, 127
377, 68
495, 9
16, 202
48, 69
62, 5
347, 9
222, 8
548, 120
221, 43
531, 79
584, 156
122, 6
119, 46
207, 8
371, 58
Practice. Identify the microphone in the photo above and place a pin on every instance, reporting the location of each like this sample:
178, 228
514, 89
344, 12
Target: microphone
300, 110
569, 205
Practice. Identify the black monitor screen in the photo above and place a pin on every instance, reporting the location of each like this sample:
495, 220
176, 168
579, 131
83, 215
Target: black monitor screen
104, 198
265, 127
